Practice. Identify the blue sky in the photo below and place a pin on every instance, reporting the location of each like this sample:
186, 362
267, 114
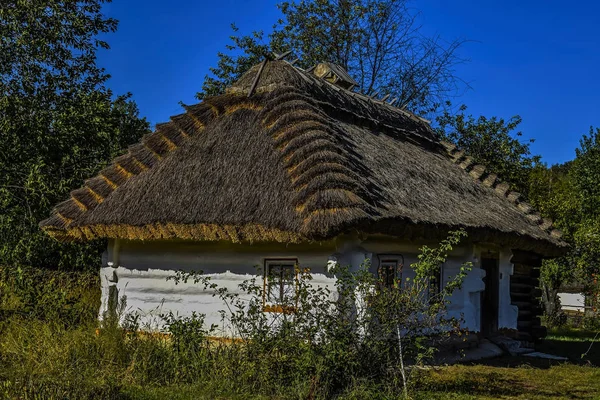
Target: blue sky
538, 59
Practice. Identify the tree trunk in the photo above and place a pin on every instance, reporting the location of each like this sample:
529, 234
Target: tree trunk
551, 302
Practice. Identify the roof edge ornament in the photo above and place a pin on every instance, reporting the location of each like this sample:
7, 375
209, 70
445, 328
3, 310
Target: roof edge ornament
335, 74
503, 189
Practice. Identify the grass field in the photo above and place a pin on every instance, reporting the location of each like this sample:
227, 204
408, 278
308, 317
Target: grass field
55, 364
524, 377
500, 378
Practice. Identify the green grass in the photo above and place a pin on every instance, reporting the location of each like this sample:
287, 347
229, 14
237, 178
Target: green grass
522, 381
579, 345
44, 361
523, 377
573, 334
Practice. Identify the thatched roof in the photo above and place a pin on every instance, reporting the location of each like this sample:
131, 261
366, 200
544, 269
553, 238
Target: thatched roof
300, 159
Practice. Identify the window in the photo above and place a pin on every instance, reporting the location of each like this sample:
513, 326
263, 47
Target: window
279, 294
436, 282
390, 269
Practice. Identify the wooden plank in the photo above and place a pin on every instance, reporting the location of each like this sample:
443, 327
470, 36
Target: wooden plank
257, 77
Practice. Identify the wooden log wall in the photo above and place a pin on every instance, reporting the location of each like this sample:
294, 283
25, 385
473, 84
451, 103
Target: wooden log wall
525, 293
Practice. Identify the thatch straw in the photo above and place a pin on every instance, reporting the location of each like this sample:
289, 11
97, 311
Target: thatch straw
299, 160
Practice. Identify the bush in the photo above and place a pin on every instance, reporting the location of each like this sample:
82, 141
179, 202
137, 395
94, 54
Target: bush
591, 323
68, 298
322, 339
557, 320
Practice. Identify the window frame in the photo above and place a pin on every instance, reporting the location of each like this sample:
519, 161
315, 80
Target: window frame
269, 306
390, 258
434, 288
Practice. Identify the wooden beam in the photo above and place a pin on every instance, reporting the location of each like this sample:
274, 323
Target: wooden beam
257, 77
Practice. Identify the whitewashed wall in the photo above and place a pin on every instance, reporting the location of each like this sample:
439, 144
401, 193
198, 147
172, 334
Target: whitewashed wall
465, 303
142, 269
507, 313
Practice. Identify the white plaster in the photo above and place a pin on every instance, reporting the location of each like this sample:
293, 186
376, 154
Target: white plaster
507, 313
356, 257
465, 302
143, 271
144, 266
149, 294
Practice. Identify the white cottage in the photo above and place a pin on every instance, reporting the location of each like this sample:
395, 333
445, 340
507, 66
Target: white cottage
292, 166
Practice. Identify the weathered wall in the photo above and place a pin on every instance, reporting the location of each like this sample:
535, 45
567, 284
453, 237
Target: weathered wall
142, 269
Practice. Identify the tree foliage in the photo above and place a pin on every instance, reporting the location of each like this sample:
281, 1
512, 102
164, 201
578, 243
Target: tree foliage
585, 175
492, 142
570, 195
379, 42
59, 124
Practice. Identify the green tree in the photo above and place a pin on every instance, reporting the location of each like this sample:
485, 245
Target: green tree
551, 192
569, 194
59, 124
493, 142
379, 42
585, 175
498, 144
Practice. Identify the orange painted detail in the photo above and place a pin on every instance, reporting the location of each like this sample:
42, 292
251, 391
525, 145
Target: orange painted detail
66, 220
110, 183
182, 133
81, 206
242, 106
123, 171
139, 164
97, 197
279, 309
172, 146
199, 124
152, 151
247, 233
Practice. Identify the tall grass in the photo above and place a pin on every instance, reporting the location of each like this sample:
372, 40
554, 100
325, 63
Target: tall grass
45, 360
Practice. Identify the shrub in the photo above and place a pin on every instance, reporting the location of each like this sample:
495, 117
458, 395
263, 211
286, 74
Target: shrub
361, 328
69, 298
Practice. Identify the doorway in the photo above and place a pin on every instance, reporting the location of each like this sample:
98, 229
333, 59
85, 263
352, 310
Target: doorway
489, 297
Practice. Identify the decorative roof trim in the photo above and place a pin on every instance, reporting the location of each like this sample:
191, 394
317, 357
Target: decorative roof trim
210, 232
481, 174
308, 140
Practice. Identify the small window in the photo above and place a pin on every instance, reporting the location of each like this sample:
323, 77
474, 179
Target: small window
436, 282
390, 270
279, 293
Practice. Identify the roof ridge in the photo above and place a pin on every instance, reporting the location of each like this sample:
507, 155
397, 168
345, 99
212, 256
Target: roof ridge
364, 102
270, 81
373, 100
480, 173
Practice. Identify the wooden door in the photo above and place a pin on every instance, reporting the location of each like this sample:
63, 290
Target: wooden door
490, 297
